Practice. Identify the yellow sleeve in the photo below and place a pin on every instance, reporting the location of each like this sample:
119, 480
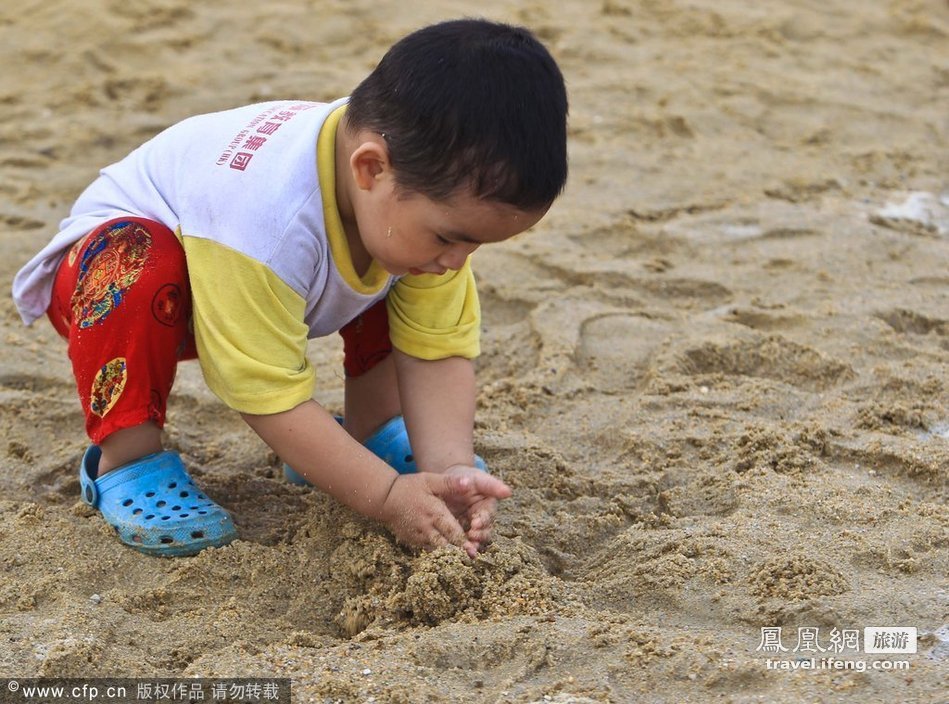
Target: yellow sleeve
249, 329
434, 317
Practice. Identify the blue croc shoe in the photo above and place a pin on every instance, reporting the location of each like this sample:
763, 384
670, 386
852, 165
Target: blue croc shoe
154, 505
390, 444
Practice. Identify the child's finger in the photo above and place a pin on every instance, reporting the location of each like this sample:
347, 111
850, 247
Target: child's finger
472, 548
479, 536
481, 525
449, 528
475, 482
482, 514
435, 540
487, 485
483, 518
444, 485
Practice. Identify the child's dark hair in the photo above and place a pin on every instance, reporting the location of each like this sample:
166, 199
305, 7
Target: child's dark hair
469, 104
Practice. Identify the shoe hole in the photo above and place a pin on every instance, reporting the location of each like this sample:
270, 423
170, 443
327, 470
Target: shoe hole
136, 538
161, 504
150, 494
194, 508
176, 508
149, 516
183, 515
173, 485
197, 534
183, 494
167, 540
136, 512
203, 513
165, 518
408, 458
127, 502
202, 496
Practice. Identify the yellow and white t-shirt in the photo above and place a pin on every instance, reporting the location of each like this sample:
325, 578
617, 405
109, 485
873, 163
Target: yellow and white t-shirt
251, 194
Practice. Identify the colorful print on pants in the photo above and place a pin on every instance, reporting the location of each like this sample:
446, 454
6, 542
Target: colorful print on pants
108, 386
122, 300
110, 265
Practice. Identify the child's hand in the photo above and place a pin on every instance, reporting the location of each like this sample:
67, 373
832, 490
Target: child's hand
421, 508
477, 507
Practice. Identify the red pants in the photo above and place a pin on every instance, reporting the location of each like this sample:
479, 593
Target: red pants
122, 300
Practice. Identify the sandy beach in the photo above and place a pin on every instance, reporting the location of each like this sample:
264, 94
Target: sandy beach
716, 374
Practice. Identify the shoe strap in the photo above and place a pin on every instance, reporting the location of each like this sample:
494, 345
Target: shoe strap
87, 471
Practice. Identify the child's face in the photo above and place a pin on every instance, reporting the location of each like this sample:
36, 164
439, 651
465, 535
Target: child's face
414, 234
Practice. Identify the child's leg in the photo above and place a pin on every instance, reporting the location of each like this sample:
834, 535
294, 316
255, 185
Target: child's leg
372, 390
122, 300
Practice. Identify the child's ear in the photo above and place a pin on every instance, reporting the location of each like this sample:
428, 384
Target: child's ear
369, 163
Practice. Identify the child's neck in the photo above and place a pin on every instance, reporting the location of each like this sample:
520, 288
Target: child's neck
357, 252
344, 182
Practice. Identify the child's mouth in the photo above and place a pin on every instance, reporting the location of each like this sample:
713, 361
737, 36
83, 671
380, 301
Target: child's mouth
415, 271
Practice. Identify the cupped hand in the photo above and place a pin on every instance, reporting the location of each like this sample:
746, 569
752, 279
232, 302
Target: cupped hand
424, 509
477, 505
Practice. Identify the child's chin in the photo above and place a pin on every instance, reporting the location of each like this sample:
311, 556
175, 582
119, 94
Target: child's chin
395, 270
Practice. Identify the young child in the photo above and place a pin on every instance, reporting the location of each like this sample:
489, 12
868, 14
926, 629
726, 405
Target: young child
234, 237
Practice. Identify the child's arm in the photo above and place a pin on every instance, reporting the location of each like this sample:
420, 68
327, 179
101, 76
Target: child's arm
413, 507
438, 402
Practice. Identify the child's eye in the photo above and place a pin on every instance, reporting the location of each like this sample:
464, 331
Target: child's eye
442, 240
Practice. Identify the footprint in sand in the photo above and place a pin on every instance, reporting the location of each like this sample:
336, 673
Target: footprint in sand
769, 357
615, 350
908, 321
